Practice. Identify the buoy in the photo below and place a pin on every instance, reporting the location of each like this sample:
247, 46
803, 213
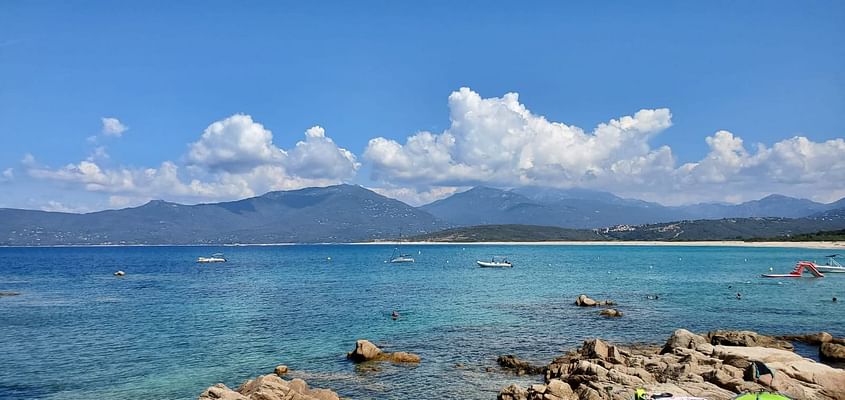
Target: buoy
119, 273
771, 269
328, 258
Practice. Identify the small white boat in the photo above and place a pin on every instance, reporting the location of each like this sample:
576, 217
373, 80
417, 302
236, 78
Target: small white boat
215, 258
831, 265
397, 256
495, 262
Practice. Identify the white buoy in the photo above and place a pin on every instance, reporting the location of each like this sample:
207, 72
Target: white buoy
771, 269
328, 258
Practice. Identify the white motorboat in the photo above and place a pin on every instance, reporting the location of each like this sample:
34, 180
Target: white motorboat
495, 262
215, 258
831, 265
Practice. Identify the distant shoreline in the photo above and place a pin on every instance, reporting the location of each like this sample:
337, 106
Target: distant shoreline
838, 245
713, 243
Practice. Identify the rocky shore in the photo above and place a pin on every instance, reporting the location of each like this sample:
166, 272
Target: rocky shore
715, 366
268, 387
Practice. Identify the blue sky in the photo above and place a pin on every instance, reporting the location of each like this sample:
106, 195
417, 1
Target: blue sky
765, 72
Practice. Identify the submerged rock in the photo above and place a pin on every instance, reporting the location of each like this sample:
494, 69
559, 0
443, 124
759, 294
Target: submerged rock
611, 312
366, 351
268, 387
520, 367
832, 352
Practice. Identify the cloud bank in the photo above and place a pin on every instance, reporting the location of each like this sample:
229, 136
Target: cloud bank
233, 158
498, 141
494, 141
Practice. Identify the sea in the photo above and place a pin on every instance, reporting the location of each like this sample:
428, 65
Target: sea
170, 327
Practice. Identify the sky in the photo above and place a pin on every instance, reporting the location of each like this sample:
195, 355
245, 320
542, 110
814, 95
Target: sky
111, 104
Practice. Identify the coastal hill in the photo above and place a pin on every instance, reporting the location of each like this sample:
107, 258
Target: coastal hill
772, 229
342, 213
347, 213
579, 208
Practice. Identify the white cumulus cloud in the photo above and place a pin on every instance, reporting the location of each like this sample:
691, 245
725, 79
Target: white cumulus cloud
318, 156
233, 158
499, 141
113, 127
8, 175
234, 144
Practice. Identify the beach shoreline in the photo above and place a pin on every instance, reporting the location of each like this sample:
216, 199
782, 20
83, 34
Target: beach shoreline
715, 243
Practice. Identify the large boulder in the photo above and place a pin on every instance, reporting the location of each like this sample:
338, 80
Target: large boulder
747, 339
584, 301
268, 387
684, 339
832, 352
513, 392
813, 338
366, 351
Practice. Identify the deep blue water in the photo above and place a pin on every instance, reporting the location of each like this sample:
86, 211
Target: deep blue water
170, 327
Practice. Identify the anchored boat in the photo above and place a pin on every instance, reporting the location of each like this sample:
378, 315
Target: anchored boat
397, 256
495, 262
831, 265
215, 258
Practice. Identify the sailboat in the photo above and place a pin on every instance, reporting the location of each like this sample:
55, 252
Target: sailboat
397, 256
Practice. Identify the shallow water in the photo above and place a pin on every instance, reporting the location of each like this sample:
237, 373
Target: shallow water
170, 327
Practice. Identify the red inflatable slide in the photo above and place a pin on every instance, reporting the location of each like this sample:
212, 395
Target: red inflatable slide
799, 269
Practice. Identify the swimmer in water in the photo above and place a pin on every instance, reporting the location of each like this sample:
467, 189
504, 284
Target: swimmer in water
394, 314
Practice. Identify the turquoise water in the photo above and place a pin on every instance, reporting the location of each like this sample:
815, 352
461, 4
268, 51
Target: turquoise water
170, 327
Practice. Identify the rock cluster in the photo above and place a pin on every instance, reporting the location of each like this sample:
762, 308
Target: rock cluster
584, 301
688, 365
366, 351
830, 348
268, 387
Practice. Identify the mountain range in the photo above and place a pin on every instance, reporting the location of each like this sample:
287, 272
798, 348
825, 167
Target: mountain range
347, 213
579, 208
342, 213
